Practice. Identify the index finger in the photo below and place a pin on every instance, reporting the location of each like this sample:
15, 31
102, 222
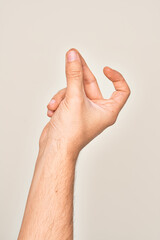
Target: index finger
123, 91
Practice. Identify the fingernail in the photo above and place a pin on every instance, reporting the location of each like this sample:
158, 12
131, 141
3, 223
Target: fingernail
49, 113
72, 56
109, 68
52, 101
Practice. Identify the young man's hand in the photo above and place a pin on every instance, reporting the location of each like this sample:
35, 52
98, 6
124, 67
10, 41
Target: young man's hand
79, 112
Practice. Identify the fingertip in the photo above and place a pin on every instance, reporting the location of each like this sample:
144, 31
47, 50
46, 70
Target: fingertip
51, 108
107, 69
72, 55
51, 104
73, 49
108, 72
50, 113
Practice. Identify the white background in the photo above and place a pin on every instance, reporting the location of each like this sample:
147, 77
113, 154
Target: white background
117, 185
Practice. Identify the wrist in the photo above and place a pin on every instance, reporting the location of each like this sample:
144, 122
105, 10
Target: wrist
53, 145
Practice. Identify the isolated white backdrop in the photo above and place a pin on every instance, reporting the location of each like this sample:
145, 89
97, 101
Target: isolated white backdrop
117, 194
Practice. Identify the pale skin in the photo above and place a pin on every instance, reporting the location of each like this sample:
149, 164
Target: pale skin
78, 114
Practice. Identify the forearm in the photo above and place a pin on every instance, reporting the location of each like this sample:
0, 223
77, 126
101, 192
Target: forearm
49, 209
79, 114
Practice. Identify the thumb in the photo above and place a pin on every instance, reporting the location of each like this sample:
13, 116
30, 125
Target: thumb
74, 73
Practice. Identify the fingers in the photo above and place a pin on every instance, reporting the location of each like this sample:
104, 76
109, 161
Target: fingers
74, 74
122, 92
90, 83
55, 101
50, 113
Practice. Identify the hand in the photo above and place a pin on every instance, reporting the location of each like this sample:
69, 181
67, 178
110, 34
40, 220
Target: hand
79, 112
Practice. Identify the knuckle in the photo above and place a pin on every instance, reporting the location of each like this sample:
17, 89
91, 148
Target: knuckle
128, 92
61, 90
77, 73
112, 121
111, 116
